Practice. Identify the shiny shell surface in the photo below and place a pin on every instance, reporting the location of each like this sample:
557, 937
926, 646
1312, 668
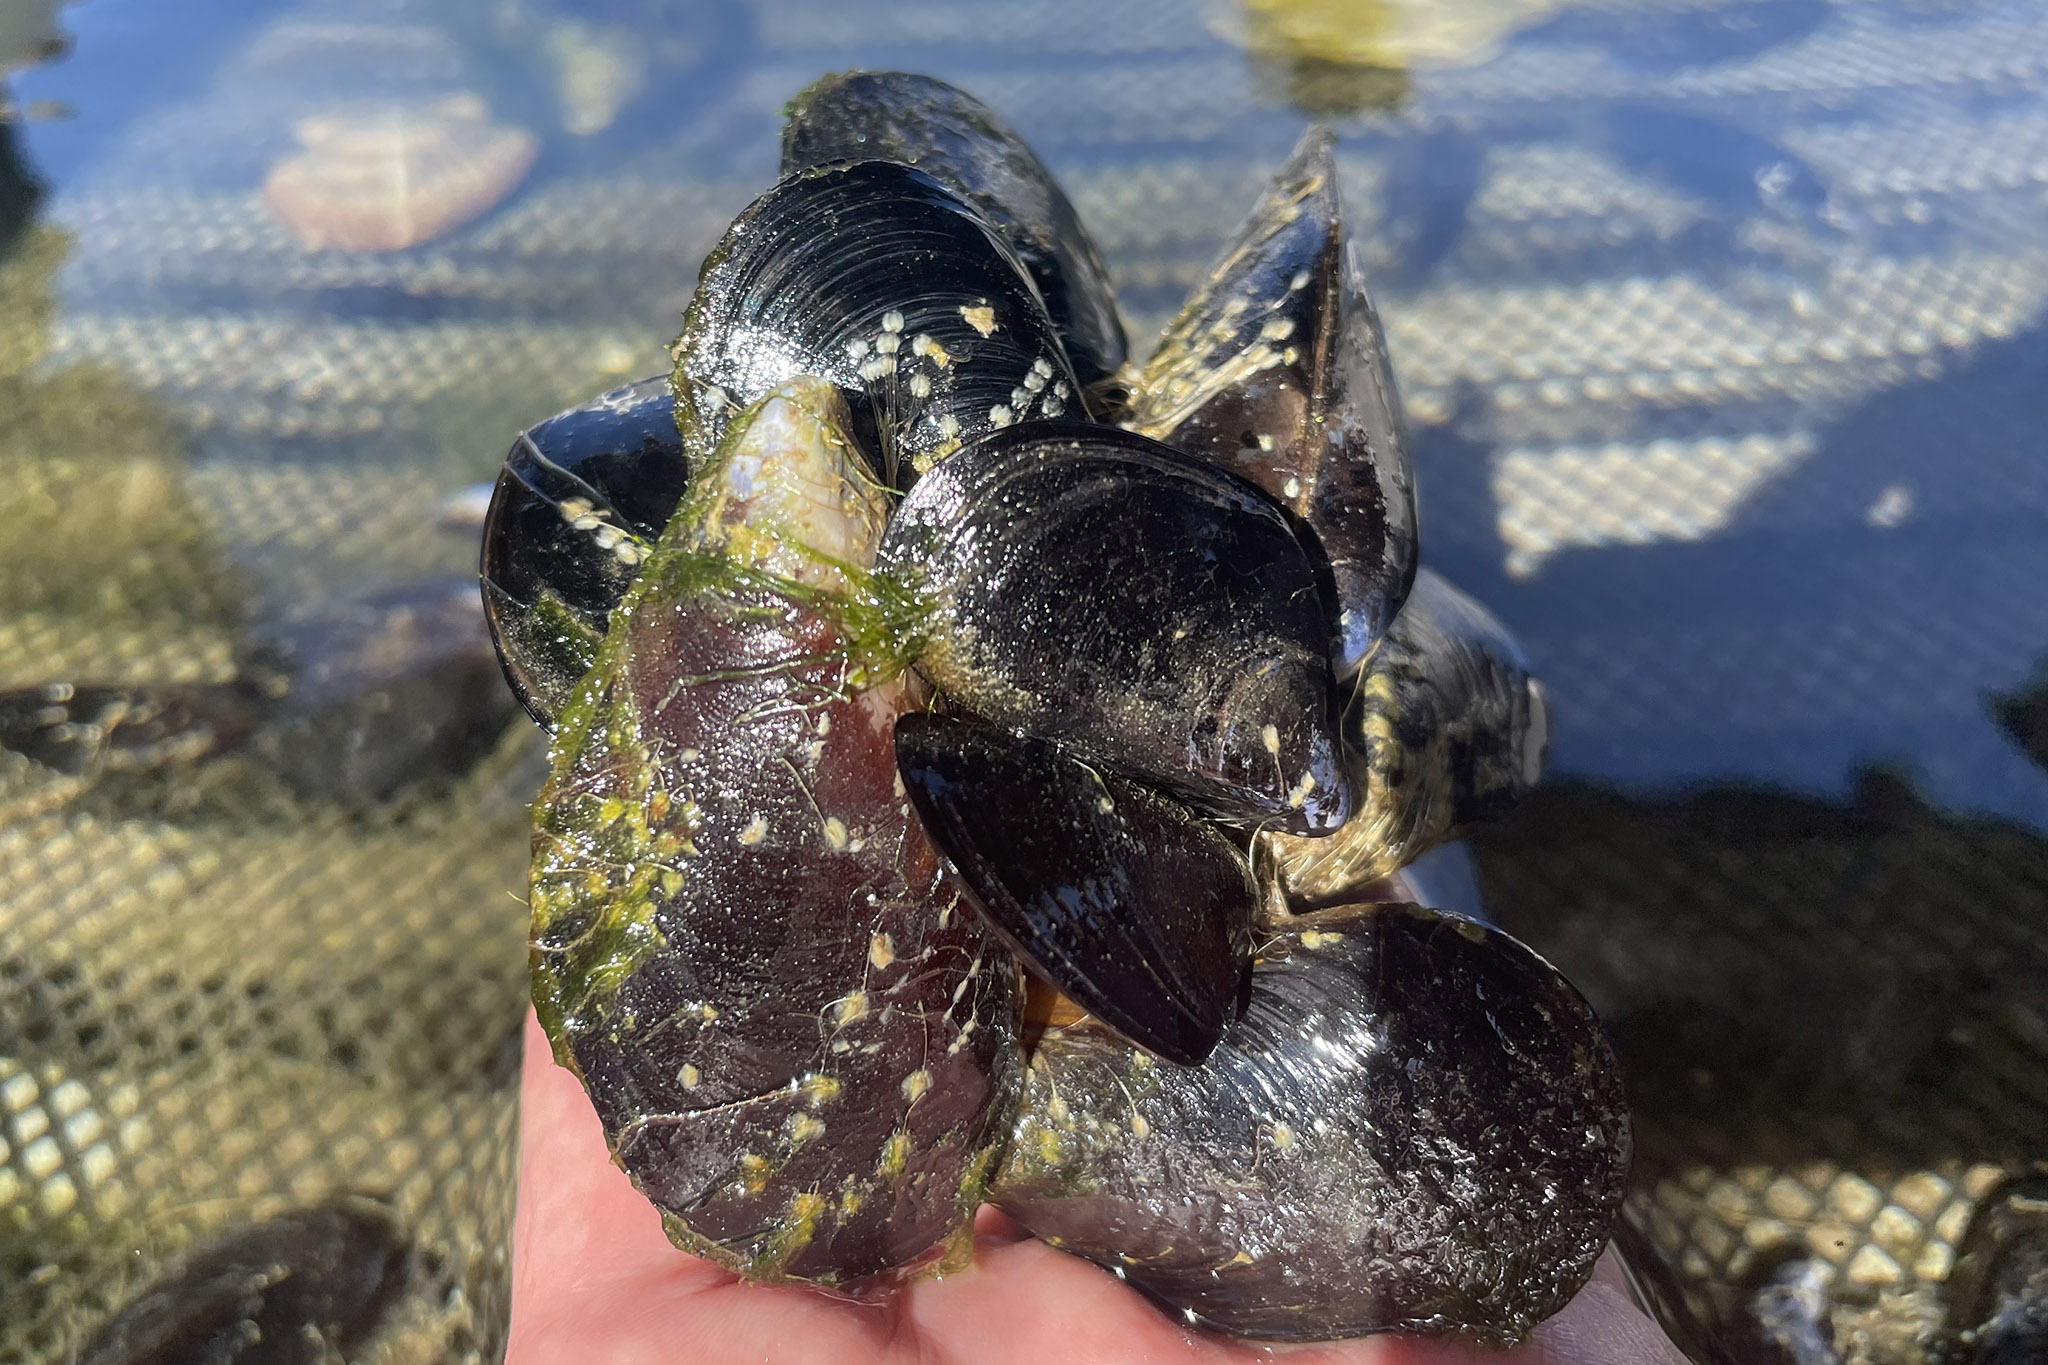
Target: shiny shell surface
801, 1047
1276, 368
1121, 898
967, 147
878, 278
1443, 727
1416, 1125
1090, 586
579, 503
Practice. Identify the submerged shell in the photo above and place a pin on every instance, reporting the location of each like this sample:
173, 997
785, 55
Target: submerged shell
1276, 369
1998, 1292
1443, 728
1089, 586
391, 178
881, 280
802, 1048
582, 498
962, 143
1417, 1125
1121, 898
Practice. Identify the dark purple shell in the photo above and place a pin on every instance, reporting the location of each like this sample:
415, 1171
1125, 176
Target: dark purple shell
1417, 1125
801, 1046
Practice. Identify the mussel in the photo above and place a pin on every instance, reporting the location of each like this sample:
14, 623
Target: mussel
1341, 1164
1276, 368
800, 1049
932, 673
1443, 727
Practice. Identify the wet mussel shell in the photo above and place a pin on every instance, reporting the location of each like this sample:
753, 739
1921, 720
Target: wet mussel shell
964, 145
1276, 369
1444, 727
801, 1046
1417, 1125
878, 278
1149, 610
581, 498
1122, 899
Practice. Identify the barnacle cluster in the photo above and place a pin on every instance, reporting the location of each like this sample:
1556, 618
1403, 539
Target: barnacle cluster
908, 637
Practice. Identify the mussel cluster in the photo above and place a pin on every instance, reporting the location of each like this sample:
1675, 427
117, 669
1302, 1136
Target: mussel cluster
907, 633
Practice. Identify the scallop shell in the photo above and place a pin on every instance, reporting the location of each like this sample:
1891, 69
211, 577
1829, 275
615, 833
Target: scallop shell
390, 178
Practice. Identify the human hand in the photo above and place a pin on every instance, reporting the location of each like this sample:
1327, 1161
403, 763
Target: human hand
595, 1279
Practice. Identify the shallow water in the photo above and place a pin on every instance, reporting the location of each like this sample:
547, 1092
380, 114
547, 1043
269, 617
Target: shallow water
1720, 328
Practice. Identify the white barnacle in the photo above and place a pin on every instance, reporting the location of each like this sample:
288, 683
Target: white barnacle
1052, 406
755, 832
689, 1076
1020, 399
949, 426
1042, 368
1001, 415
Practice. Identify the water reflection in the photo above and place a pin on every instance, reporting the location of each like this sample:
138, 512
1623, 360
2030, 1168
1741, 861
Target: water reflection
1722, 326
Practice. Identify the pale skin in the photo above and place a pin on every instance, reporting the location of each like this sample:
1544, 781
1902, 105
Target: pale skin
595, 1280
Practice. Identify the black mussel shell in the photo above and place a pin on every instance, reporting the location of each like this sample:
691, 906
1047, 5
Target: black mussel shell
1152, 611
581, 499
1443, 728
1276, 368
1123, 899
879, 279
296, 1289
962, 143
1998, 1293
1416, 1125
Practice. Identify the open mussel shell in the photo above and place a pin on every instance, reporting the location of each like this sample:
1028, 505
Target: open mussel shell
1276, 368
880, 279
965, 146
1123, 899
1416, 1125
1153, 612
1444, 727
801, 1045
580, 500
